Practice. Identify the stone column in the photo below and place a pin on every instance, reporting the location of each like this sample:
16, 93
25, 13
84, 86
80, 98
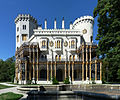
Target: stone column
51, 69
16, 69
25, 70
101, 71
90, 72
33, 63
90, 65
82, 63
86, 61
29, 62
83, 71
17, 73
47, 71
20, 67
72, 71
69, 69
95, 70
37, 63
65, 69
55, 69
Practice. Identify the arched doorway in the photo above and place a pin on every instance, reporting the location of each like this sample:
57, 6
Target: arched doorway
43, 74
59, 75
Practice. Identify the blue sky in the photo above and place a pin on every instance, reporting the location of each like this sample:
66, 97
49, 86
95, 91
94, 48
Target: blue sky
41, 10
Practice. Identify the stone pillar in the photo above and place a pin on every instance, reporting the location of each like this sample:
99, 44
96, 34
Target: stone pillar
86, 61
83, 63
16, 70
69, 69
65, 69
20, 67
101, 71
90, 65
55, 69
95, 70
72, 71
90, 72
17, 73
25, 70
47, 71
83, 71
37, 63
51, 69
33, 63
29, 62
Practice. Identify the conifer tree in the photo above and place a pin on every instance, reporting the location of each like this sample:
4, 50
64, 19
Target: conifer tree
108, 14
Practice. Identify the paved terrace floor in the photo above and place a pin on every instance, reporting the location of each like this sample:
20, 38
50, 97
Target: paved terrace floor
12, 89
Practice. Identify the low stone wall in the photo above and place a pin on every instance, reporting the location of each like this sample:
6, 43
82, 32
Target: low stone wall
87, 87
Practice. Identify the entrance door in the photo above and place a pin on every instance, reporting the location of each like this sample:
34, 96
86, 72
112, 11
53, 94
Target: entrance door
59, 75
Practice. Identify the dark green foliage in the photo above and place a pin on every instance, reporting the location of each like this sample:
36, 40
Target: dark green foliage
66, 81
54, 81
10, 96
7, 70
108, 14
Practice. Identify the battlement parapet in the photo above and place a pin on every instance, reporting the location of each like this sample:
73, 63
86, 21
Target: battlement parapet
25, 17
84, 19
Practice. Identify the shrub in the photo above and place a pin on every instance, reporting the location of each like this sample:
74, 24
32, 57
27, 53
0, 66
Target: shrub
54, 81
66, 81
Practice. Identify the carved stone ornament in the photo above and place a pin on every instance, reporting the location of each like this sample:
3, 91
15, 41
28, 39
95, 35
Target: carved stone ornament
65, 43
51, 43
84, 31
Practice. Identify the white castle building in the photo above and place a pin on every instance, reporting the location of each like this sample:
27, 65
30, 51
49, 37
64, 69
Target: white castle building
43, 53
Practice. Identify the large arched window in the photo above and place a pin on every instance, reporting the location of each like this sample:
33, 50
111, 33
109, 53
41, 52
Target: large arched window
43, 44
55, 44
70, 58
58, 44
59, 57
91, 38
72, 44
56, 58
73, 57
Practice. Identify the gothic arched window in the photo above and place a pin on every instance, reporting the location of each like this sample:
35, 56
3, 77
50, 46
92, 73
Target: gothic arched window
59, 57
58, 44
56, 58
43, 44
70, 58
72, 44
74, 57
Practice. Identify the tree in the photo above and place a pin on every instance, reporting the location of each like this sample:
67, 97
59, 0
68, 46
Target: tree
108, 13
7, 69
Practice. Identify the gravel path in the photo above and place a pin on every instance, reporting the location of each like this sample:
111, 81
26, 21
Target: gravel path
12, 89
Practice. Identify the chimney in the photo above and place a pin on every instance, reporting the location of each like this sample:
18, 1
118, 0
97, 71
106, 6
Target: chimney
55, 23
71, 25
63, 23
45, 23
40, 27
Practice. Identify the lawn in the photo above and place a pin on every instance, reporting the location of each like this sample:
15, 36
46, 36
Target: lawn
10, 96
4, 86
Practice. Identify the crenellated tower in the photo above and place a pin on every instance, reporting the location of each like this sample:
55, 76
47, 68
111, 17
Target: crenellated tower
85, 25
24, 28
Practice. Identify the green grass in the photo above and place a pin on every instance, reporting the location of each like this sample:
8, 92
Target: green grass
4, 87
10, 96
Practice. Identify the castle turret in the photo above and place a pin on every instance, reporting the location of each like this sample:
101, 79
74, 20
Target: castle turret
85, 25
24, 28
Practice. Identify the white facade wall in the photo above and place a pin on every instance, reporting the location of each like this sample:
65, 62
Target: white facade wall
80, 30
